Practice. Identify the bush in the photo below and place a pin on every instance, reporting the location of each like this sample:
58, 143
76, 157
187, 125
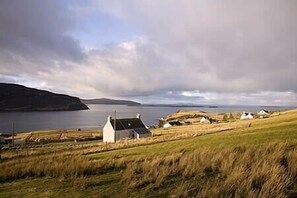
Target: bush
231, 117
225, 118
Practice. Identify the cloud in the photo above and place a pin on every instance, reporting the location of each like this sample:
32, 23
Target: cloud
235, 46
37, 30
234, 51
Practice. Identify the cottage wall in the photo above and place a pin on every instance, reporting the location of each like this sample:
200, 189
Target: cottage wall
108, 133
143, 136
122, 134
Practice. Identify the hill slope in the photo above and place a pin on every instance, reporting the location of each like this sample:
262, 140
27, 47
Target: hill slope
255, 159
15, 97
110, 101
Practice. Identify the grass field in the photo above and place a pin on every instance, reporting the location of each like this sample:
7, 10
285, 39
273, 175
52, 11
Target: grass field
237, 159
50, 136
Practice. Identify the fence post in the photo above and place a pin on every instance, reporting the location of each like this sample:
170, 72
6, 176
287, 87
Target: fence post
12, 125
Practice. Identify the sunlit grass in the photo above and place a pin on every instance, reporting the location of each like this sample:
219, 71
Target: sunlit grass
252, 159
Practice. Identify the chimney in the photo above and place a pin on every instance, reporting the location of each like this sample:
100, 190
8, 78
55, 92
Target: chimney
108, 118
138, 116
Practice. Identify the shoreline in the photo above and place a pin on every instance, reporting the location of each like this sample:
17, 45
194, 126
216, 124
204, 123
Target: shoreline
50, 120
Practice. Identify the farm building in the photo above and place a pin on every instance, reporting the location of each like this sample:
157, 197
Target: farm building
167, 125
175, 123
15, 140
205, 120
126, 128
246, 116
263, 113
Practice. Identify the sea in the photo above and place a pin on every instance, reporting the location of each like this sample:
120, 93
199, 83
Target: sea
95, 118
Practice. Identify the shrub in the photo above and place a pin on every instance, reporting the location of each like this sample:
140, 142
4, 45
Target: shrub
225, 118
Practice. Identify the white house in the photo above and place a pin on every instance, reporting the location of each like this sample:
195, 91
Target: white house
205, 120
263, 113
131, 128
167, 125
247, 116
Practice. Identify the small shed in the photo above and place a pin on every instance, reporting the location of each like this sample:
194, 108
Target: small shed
247, 116
167, 125
205, 120
142, 133
263, 113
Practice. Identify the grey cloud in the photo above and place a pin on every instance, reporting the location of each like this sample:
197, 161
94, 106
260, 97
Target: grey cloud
37, 30
225, 46
221, 49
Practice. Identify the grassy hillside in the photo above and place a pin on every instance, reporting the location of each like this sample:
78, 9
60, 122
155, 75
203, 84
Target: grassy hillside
50, 136
239, 159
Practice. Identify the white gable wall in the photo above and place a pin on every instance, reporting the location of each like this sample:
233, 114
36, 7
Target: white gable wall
108, 133
249, 116
263, 113
167, 125
142, 135
205, 120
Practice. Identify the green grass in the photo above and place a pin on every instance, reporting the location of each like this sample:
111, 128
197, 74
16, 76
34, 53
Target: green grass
261, 132
109, 181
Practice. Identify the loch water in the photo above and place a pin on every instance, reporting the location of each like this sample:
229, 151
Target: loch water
95, 118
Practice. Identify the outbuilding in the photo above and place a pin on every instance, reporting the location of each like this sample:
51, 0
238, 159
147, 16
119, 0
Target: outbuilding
263, 113
167, 125
205, 120
247, 116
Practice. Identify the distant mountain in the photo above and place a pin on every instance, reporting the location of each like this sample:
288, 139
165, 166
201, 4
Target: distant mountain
182, 104
15, 97
110, 102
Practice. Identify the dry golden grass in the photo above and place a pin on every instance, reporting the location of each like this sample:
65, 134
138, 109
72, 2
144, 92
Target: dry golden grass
45, 138
255, 171
194, 129
263, 171
159, 135
179, 162
195, 116
54, 135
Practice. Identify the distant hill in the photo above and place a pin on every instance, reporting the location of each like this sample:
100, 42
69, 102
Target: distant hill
15, 97
110, 102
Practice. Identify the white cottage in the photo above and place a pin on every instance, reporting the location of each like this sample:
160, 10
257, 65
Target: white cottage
247, 116
126, 128
263, 113
205, 120
167, 125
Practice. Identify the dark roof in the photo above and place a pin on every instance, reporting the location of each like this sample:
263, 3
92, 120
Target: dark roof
127, 123
142, 131
175, 123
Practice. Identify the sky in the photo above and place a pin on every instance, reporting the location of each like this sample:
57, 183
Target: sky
228, 52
